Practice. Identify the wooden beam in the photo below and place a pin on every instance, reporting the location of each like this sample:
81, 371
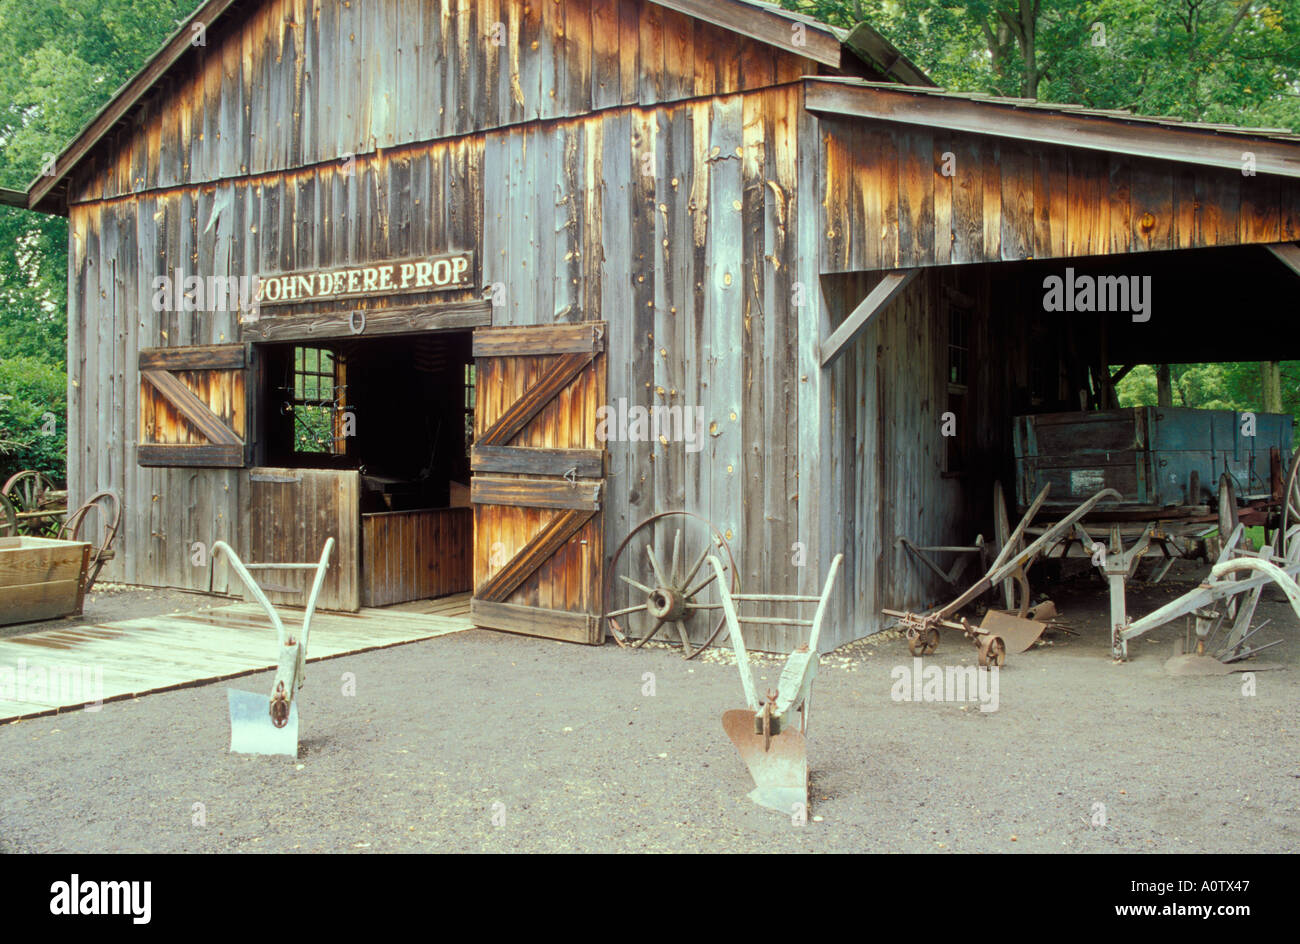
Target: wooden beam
884, 56
1288, 253
877, 299
190, 455
1121, 373
537, 621
587, 337
767, 26
562, 372
1113, 135
377, 321
534, 493
197, 357
531, 460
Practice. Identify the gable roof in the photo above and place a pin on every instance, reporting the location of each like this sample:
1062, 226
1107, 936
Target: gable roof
764, 22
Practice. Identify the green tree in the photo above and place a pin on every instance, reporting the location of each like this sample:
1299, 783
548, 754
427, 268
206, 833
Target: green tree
33, 434
1232, 61
63, 59
1226, 386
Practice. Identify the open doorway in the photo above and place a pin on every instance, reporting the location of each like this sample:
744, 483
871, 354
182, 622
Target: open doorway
399, 411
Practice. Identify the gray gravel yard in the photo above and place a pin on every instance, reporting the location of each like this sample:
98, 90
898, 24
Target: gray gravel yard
559, 743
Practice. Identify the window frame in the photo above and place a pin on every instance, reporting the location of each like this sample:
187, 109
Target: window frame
335, 404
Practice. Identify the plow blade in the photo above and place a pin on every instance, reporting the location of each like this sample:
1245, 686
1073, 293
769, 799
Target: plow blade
1018, 633
780, 771
251, 730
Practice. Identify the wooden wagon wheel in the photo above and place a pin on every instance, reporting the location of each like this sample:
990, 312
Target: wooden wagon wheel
1002, 534
8, 518
29, 491
1290, 512
655, 579
1228, 514
100, 552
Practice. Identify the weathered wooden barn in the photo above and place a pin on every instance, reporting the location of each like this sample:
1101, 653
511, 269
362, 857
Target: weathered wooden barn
486, 220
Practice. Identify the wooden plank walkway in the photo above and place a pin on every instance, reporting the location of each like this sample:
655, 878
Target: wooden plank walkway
62, 669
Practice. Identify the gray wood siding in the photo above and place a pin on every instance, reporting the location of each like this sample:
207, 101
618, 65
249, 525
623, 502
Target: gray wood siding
678, 225
300, 82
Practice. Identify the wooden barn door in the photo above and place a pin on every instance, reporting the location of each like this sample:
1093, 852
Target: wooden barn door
291, 514
538, 481
194, 406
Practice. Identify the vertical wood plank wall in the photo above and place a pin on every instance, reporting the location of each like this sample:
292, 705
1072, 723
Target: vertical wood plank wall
1008, 200
415, 555
291, 515
673, 214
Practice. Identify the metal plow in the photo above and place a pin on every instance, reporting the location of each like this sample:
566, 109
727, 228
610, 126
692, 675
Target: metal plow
998, 632
258, 724
771, 740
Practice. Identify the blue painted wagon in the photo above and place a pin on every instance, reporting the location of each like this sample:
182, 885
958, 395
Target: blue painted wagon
1166, 462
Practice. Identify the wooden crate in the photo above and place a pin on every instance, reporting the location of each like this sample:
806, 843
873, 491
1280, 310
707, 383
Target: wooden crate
41, 578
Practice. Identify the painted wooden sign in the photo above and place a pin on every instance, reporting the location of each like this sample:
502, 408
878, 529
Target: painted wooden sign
451, 270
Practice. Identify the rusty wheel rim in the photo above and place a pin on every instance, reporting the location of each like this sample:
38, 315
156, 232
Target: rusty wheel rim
993, 651
922, 642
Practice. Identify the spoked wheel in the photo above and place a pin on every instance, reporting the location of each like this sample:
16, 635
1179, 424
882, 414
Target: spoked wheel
1228, 515
1288, 544
109, 508
659, 577
30, 492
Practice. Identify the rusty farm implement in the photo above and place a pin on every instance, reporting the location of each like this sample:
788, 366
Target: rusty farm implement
998, 631
771, 732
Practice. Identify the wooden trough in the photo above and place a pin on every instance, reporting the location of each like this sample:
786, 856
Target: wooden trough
41, 578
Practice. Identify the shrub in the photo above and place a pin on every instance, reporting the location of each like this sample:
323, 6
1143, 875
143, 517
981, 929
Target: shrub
33, 417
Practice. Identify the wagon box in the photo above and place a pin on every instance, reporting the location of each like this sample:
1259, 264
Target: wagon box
41, 578
1155, 457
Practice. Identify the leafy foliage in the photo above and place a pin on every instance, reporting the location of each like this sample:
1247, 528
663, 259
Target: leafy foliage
33, 407
1231, 61
63, 60
1227, 386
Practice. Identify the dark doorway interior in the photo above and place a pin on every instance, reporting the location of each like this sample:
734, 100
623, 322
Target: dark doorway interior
399, 411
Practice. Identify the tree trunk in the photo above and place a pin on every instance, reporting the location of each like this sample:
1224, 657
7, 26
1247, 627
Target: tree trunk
1270, 376
1029, 86
1164, 386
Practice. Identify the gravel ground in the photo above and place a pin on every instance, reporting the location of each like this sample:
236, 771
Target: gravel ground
560, 744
